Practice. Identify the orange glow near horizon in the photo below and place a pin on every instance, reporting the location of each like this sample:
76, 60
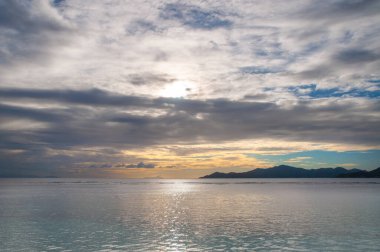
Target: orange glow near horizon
193, 161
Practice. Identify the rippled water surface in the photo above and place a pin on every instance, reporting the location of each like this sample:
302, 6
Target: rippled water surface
190, 215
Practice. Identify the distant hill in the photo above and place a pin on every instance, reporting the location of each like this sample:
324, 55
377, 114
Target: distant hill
285, 171
362, 174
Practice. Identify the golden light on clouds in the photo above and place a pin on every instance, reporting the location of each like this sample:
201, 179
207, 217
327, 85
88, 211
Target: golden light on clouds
172, 89
190, 161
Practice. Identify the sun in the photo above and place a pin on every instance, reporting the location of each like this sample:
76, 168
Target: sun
177, 89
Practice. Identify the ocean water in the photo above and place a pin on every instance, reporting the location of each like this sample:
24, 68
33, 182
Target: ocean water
190, 215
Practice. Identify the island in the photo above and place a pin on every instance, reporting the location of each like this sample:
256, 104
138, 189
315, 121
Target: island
362, 174
285, 171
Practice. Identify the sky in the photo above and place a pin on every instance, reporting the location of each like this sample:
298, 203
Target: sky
180, 89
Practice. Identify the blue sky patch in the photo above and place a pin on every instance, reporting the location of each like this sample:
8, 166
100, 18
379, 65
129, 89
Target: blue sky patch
194, 16
367, 160
312, 91
377, 81
58, 2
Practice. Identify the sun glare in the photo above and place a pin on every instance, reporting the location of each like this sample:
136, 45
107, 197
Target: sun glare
177, 89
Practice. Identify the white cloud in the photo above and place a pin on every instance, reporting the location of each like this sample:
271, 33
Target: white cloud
98, 44
297, 71
297, 159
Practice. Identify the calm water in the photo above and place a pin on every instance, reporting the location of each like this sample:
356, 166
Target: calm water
190, 215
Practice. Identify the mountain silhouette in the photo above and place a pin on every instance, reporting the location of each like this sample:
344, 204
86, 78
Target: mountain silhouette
362, 174
285, 171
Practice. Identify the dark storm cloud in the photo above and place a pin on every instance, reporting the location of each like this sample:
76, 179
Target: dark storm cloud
194, 16
99, 119
106, 119
87, 97
7, 111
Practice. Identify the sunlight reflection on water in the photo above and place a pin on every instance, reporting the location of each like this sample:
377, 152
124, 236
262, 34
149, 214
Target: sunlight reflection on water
189, 215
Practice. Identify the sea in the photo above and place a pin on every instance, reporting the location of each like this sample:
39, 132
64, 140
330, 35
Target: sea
189, 215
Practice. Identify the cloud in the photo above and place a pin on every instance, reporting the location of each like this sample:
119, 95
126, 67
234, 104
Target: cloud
88, 77
110, 166
194, 16
29, 30
254, 45
257, 70
297, 159
24, 17
150, 79
140, 165
141, 26
89, 97
342, 10
99, 121
27, 113
348, 165
312, 91
356, 56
